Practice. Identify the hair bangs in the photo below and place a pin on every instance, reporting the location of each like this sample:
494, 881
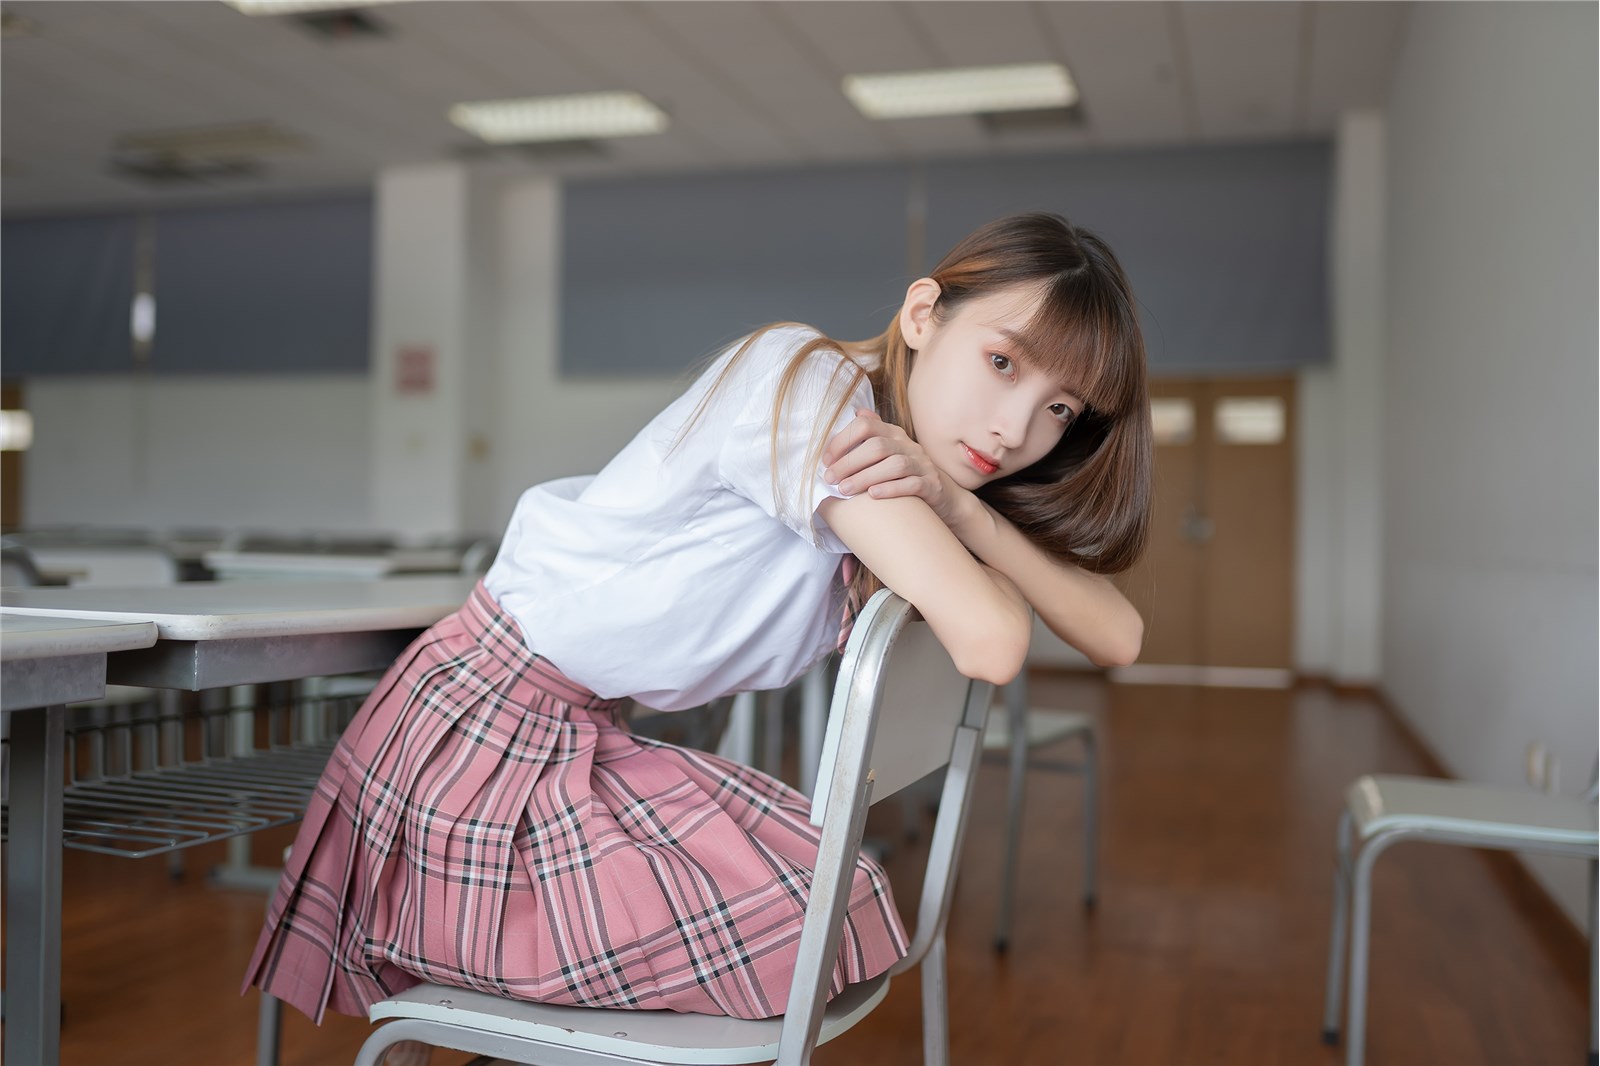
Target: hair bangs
1082, 337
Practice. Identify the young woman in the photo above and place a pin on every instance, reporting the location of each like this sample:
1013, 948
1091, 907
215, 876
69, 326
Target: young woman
486, 822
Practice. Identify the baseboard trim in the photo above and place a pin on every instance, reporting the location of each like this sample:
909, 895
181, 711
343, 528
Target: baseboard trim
1202, 676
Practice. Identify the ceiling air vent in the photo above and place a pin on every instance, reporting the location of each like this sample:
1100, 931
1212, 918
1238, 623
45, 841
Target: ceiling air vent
344, 24
535, 151
14, 25
202, 155
1042, 120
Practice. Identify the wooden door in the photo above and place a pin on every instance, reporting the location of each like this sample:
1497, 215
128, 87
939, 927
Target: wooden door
1216, 586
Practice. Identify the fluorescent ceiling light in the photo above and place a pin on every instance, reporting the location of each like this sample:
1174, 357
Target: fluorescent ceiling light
299, 7
16, 431
560, 118
962, 91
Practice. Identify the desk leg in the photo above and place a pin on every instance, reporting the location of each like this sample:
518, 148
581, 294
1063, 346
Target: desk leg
33, 888
241, 739
237, 871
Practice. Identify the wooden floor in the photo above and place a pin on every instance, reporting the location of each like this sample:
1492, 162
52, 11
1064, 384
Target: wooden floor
1208, 944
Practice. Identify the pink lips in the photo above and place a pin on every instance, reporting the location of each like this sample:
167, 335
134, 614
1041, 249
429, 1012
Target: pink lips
982, 462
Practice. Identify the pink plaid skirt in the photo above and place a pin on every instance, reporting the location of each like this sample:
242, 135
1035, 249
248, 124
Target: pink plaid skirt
486, 823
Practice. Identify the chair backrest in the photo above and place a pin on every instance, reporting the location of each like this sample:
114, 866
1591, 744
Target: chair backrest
900, 711
107, 566
16, 567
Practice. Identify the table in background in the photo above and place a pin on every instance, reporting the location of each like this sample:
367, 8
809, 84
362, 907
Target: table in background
231, 565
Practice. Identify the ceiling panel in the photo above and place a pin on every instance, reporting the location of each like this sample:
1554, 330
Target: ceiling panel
856, 38
1353, 50
746, 84
981, 34
1122, 58
1244, 58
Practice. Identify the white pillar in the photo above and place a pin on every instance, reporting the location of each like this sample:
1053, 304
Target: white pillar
419, 348
1359, 337
1338, 588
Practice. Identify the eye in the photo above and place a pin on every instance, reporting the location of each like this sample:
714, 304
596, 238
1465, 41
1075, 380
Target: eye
1001, 363
1063, 413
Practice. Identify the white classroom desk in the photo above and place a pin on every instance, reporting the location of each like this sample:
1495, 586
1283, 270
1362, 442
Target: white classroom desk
330, 566
191, 636
214, 634
45, 663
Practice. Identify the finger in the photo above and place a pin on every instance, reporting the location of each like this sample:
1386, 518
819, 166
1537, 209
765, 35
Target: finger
858, 430
864, 456
893, 468
871, 450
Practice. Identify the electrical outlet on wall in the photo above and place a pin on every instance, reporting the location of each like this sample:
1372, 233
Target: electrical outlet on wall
1543, 770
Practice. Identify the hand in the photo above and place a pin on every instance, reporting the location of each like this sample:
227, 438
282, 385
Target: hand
878, 458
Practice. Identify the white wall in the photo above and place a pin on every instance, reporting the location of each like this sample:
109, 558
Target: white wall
234, 453
1489, 563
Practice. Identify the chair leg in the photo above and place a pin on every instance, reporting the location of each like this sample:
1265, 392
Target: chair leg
1016, 695
268, 1030
1091, 817
378, 1044
935, 1013
1360, 937
1336, 934
1594, 964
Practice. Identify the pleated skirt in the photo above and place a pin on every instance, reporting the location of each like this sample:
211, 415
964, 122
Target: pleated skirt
487, 823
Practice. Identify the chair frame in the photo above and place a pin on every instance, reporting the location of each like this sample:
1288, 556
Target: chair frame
1352, 900
858, 704
1016, 701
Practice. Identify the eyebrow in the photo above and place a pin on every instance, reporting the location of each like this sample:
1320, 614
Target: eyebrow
1015, 338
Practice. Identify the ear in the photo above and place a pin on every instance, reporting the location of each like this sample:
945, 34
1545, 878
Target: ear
916, 314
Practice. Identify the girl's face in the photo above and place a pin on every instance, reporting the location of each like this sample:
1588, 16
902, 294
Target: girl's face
981, 411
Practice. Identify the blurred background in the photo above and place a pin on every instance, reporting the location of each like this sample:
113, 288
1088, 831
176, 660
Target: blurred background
261, 272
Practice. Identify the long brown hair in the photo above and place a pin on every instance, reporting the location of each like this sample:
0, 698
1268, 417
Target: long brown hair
1088, 501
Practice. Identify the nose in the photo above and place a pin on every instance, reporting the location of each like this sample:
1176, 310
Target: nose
1010, 425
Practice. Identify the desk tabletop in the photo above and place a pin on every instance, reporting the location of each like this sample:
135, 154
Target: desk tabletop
227, 610
42, 636
304, 565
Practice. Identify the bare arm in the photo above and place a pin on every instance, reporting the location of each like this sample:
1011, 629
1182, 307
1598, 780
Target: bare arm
1085, 610
977, 614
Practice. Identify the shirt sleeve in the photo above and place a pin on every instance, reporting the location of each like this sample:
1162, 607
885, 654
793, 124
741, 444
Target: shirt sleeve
745, 457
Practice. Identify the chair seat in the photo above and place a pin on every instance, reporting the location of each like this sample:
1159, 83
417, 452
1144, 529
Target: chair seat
655, 1036
1044, 727
1384, 803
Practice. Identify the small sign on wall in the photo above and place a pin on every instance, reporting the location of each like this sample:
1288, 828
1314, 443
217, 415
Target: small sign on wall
413, 369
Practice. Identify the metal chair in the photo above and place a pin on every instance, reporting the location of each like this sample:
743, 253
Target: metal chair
1018, 732
16, 568
900, 711
1381, 810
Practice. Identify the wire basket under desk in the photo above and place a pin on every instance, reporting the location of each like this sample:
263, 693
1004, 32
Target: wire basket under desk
146, 777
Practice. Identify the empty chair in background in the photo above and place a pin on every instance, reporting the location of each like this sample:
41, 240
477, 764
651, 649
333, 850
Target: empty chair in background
1385, 809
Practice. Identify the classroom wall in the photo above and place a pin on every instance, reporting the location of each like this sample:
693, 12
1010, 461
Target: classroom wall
1489, 566
235, 452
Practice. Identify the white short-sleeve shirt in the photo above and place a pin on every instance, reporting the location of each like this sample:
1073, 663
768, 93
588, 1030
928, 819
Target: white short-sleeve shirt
675, 576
